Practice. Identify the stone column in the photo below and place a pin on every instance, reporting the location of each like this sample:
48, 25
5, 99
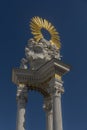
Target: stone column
48, 107
22, 96
57, 112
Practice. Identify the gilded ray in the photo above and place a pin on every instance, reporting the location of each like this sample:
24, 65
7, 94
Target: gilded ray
37, 24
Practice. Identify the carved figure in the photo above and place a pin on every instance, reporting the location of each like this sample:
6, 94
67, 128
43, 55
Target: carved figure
40, 52
23, 64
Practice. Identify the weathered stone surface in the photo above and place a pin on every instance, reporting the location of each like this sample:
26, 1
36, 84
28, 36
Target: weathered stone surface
37, 53
37, 72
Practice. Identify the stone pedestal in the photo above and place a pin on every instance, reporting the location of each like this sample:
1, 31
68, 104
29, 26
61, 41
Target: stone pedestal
22, 95
48, 107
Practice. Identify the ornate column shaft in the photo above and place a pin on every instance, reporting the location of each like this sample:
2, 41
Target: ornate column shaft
22, 96
57, 112
48, 107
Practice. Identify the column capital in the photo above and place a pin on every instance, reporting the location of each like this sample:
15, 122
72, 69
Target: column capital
48, 104
22, 93
56, 87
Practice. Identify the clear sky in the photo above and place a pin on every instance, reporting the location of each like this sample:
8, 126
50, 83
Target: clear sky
70, 19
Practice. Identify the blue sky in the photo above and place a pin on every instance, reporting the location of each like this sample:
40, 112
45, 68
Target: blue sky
70, 19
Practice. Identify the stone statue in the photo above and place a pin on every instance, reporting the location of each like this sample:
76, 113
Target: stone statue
23, 64
37, 54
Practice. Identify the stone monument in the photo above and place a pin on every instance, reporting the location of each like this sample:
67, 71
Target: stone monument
41, 69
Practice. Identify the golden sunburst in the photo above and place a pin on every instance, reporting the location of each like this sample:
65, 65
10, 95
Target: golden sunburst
37, 24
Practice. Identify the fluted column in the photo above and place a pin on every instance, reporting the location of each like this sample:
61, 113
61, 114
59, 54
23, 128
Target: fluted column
57, 112
49, 113
22, 96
